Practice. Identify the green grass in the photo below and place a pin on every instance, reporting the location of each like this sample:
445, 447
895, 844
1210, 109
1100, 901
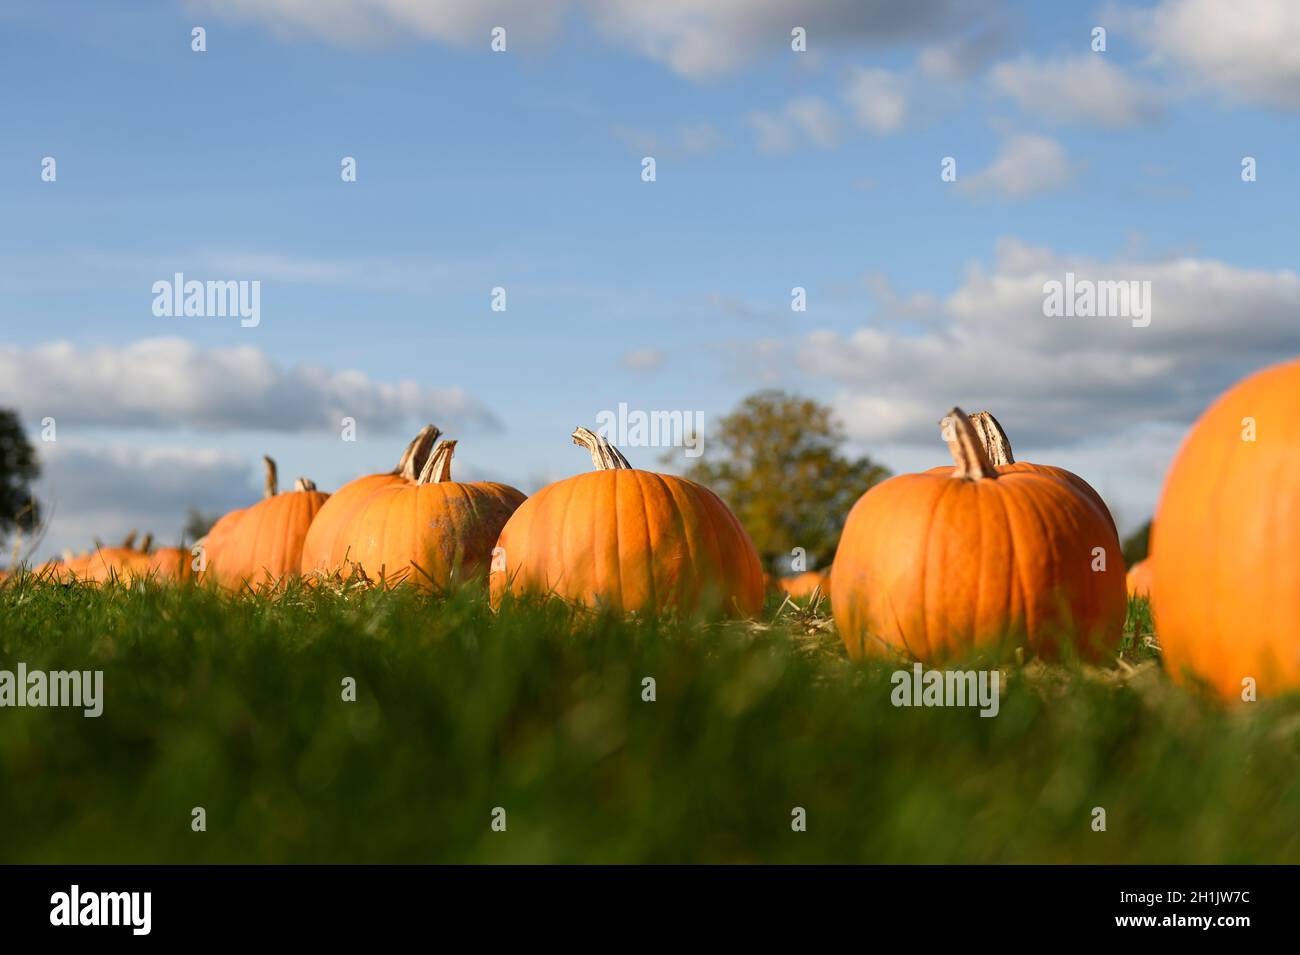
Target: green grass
235, 705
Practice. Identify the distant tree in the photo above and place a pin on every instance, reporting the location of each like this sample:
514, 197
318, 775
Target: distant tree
777, 461
19, 509
1136, 545
197, 524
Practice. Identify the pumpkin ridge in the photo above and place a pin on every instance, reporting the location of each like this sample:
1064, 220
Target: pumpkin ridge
681, 530
931, 525
461, 555
1028, 511
708, 545
1022, 519
565, 533
651, 567
717, 541
891, 518
533, 508
621, 589
1227, 464
733, 523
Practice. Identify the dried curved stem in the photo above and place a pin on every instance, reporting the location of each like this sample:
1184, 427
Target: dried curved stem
971, 460
604, 455
129, 540
438, 468
304, 484
147, 543
417, 453
995, 441
272, 485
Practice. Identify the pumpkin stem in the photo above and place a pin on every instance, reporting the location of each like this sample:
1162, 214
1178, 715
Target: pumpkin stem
146, 543
129, 540
304, 484
996, 443
438, 468
604, 455
967, 453
417, 453
272, 485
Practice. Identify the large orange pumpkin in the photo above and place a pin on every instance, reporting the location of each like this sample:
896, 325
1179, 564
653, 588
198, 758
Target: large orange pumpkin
430, 533
262, 544
214, 542
326, 549
629, 540
1225, 543
997, 446
976, 561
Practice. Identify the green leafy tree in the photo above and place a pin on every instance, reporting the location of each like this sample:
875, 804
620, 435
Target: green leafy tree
19, 509
1136, 545
777, 461
197, 524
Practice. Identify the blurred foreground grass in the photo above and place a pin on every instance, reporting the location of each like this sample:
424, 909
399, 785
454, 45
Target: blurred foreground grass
235, 705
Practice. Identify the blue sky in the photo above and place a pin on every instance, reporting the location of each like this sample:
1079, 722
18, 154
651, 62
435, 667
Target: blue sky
521, 169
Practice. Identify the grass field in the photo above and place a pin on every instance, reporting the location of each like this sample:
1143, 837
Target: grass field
236, 705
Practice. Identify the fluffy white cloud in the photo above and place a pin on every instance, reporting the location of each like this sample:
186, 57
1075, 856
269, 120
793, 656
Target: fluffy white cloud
1087, 89
1097, 395
1061, 380
364, 22
807, 118
1249, 50
1027, 165
877, 98
964, 56
695, 38
173, 382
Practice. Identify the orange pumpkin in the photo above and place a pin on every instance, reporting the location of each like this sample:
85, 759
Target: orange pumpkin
629, 540
1139, 579
263, 544
803, 585
977, 561
1225, 544
997, 446
429, 533
124, 562
214, 542
326, 547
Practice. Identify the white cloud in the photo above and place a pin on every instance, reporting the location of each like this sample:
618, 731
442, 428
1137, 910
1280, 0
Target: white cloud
806, 118
701, 38
963, 56
1087, 89
1250, 50
877, 98
1096, 395
172, 382
1027, 165
369, 22
1061, 380
696, 38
